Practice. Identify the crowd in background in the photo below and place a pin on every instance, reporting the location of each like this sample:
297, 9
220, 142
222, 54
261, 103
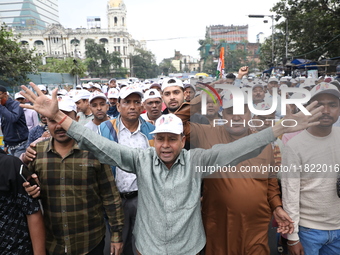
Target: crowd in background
237, 207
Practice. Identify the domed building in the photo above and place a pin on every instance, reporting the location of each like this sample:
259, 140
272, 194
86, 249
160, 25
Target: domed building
59, 42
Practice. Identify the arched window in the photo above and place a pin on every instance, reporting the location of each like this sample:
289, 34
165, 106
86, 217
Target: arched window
75, 41
38, 43
103, 40
115, 20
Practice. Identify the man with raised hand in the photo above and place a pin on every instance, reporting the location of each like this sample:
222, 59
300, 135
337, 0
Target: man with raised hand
169, 178
75, 191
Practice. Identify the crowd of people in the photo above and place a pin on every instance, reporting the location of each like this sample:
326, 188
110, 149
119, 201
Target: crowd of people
138, 168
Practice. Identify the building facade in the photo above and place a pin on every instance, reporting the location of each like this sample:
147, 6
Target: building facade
29, 14
230, 34
59, 42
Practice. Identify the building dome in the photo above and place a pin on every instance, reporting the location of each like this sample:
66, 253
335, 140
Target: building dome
115, 3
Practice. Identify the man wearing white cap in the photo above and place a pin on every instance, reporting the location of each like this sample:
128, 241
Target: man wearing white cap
32, 119
152, 102
173, 97
81, 99
310, 193
98, 106
112, 83
96, 87
113, 95
273, 82
86, 86
74, 190
43, 89
133, 131
169, 178
258, 93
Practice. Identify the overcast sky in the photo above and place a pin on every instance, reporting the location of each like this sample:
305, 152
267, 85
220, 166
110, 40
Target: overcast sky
162, 20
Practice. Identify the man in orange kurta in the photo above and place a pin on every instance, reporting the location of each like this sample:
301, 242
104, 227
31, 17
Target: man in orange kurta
237, 207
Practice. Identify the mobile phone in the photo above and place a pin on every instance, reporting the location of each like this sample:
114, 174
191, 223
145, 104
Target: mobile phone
26, 175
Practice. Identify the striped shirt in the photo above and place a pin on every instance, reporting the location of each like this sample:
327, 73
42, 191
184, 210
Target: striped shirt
75, 191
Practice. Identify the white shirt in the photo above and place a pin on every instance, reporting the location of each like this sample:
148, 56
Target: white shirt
127, 182
309, 193
92, 126
145, 116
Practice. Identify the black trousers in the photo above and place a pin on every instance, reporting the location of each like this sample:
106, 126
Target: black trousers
130, 211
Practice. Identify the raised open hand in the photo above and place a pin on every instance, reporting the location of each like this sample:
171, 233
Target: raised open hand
41, 103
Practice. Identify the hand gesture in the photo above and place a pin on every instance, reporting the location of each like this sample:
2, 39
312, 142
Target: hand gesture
242, 72
41, 103
298, 121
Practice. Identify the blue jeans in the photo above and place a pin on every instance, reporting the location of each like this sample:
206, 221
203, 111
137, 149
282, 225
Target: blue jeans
19, 150
320, 242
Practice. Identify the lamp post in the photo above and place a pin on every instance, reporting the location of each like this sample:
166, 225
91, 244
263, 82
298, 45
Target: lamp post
272, 17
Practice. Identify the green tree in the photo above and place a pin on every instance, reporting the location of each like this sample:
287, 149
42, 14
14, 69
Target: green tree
100, 62
311, 28
143, 64
209, 66
166, 66
68, 65
15, 61
235, 59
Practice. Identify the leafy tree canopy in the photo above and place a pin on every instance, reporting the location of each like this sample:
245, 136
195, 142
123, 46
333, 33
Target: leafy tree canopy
99, 61
143, 64
15, 61
310, 27
68, 65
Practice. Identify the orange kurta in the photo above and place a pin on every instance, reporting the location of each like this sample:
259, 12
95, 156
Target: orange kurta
236, 208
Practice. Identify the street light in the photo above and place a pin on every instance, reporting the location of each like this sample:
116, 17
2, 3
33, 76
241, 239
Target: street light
272, 17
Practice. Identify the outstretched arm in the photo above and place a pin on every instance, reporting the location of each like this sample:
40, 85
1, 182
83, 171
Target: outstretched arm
49, 108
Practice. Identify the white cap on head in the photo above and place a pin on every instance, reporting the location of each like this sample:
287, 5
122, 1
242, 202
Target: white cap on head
18, 95
42, 87
273, 79
228, 98
113, 93
265, 105
168, 123
151, 93
97, 94
86, 86
127, 90
96, 85
170, 82
81, 94
325, 88
62, 92
66, 104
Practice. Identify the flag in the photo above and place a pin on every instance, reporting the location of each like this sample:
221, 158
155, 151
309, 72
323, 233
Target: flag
220, 65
